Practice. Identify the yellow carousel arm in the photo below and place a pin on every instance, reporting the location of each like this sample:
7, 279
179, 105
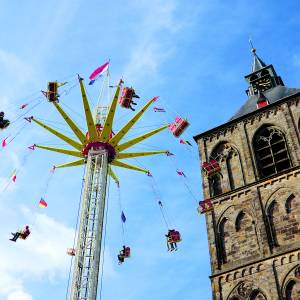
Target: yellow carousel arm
118, 163
112, 174
139, 138
88, 115
71, 164
137, 154
59, 135
114, 141
107, 127
60, 150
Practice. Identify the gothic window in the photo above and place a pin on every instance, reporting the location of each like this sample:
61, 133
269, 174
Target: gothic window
271, 151
288, 203
264, 73
270, 214
231, 169
291, 290
222, 247
253, 77
239, 220
216, 185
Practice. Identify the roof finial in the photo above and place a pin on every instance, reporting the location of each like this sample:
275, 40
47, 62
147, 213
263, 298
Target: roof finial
253, 50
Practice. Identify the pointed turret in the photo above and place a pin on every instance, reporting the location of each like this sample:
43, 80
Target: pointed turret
257, 64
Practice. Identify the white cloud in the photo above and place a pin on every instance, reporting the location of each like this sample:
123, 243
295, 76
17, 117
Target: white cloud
42, 255
19, 295
149, 51
15, 68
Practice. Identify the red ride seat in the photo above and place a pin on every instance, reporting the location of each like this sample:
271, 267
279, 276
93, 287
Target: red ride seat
211, 167
126, 97
127, 252
175, 236
178, 127
205, 206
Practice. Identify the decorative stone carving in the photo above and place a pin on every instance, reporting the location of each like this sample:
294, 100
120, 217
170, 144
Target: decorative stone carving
297, 272
244, 289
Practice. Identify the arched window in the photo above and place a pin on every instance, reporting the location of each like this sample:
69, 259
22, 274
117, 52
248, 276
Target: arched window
222, 236
239, 220
288, 203
290, 290
253, 77
264, 73
271, 151
270, 214
231, 169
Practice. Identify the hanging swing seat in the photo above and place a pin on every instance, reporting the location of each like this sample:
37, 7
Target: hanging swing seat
126, 97
24, 234
211, 167
71, 251
179, 126
174, 236
52, 91
124, 253
4, 123
127, 252
205, 206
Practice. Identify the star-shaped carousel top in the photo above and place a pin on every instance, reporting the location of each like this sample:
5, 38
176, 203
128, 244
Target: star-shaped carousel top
101, 137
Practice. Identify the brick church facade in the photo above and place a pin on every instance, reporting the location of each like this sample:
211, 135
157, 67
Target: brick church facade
254, 228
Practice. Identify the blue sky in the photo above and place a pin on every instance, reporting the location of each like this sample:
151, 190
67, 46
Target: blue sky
193, 54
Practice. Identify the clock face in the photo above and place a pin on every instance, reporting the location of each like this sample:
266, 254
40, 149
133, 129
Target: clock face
262, 84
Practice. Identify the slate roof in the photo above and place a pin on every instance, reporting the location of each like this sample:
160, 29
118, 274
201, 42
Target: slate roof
273, 95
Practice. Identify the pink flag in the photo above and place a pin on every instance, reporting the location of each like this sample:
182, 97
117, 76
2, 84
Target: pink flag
98, 72
52, 170
155, 98
32, 147
4, 143
14, 178
149, 174
23, 105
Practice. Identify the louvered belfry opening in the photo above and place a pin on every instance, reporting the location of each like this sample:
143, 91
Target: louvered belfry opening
271, 151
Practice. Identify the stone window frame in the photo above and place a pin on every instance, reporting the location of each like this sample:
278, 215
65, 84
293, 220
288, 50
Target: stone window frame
288, 203
221, 238
270, 211
238, 220
216, 182
258, 136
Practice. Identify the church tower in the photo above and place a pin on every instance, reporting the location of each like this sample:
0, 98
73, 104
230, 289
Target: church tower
254, 227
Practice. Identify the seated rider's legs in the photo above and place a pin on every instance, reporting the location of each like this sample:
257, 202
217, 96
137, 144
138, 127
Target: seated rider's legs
16, 235
131, 108
175, 246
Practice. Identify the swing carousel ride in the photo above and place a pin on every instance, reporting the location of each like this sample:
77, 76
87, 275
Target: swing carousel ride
101, 149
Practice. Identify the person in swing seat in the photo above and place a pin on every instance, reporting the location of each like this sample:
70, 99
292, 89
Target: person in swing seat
3, 122
171, 244
23, 234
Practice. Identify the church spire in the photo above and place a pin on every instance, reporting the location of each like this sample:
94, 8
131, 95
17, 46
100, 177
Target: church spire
257, 64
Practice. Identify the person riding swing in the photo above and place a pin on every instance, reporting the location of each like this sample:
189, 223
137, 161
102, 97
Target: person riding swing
3, 122
22, 234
